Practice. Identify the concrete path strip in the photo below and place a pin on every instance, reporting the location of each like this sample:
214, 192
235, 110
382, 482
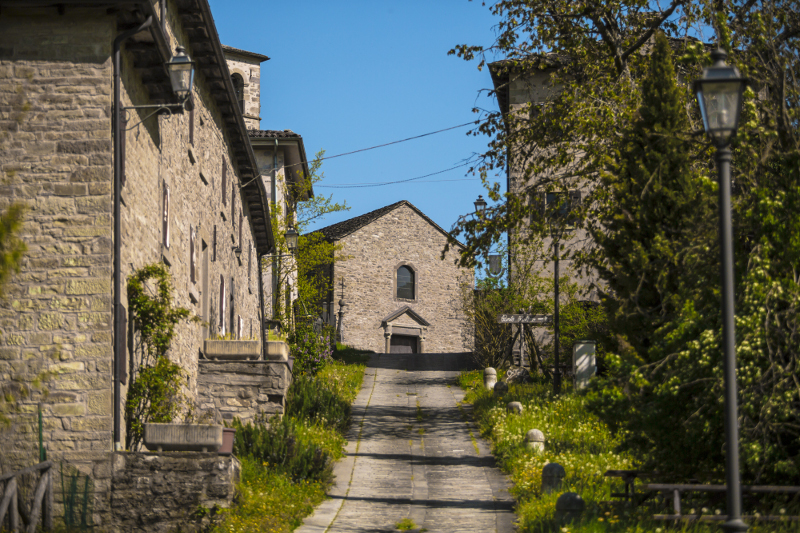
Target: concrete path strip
413, 454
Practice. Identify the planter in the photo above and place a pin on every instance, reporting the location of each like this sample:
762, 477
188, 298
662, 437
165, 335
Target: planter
277, 351
228, 435
182, 437
232, 350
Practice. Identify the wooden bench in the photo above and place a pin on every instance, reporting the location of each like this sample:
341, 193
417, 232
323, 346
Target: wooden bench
675, 490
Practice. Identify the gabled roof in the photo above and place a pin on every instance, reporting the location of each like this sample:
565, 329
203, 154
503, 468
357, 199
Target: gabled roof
406, 310
342, 229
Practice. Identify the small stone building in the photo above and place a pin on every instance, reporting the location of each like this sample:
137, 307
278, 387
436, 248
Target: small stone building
400, 296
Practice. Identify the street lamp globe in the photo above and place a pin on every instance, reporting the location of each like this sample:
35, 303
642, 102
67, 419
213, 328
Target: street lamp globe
719, 93
181, 73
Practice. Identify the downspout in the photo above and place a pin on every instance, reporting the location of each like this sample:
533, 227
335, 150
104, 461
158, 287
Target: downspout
273, 198
119, 334
264, 337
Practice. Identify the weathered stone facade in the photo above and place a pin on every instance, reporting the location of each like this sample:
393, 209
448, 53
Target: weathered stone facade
523, 93
376, 245
243, 389
189, 199
157, 492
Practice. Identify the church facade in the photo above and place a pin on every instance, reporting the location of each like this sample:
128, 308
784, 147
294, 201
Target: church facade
399, 295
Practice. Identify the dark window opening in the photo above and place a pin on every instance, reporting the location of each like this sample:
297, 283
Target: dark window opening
238, 87
405, 283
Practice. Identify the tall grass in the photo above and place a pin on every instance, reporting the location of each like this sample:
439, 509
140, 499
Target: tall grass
286, 462
583, 445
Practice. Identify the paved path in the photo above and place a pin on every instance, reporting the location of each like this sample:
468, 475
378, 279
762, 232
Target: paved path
412, 454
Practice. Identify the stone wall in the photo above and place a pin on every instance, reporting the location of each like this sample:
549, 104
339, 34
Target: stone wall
401, 236
55, 157
154, 492
243, 389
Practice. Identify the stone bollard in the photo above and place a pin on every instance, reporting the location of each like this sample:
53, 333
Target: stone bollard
534, 440
514, 407
500, 389
569, 507
489, 378
552, 476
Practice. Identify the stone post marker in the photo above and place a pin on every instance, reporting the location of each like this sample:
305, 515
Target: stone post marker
489, 378
569, 507
500, 388
583, 362
552, 476
514, 407
534, 440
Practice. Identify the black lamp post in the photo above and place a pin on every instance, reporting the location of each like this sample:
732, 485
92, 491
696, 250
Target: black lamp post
719, 93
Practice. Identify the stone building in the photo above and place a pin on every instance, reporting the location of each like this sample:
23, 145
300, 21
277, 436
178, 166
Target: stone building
400, 296
522, 93
190, 194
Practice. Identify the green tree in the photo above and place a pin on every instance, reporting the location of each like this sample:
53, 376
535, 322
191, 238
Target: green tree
664, 391
314, 255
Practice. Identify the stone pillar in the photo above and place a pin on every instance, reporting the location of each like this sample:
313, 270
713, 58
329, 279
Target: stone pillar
387, 334
422, 341
552, 476
340, 324
489, 378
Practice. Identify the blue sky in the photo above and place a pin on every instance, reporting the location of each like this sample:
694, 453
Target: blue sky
349, 74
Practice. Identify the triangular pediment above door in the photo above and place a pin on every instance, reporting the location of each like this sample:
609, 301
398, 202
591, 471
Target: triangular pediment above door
405, 315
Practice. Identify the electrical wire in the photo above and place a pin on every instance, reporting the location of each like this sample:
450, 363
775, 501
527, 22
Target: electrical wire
361, 185
474, 122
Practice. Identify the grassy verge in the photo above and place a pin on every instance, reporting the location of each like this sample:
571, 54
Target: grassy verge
287, 465
584, 446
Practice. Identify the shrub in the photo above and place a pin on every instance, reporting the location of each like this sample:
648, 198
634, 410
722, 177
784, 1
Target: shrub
311, 350
278, 446
310, 399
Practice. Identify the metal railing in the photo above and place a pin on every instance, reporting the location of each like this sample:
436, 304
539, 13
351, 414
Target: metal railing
12, 508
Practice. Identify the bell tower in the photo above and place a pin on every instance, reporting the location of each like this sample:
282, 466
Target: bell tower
245, 69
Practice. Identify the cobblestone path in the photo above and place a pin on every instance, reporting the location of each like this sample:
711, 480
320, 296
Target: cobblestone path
413, 454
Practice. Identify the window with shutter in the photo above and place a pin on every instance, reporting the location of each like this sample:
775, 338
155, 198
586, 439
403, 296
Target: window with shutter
224, 183
222, 304
191, 126
193, 254
165, 218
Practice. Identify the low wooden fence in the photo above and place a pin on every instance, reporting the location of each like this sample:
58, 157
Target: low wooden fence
12, 509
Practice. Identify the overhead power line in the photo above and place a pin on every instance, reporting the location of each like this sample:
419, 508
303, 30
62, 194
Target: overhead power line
360, 185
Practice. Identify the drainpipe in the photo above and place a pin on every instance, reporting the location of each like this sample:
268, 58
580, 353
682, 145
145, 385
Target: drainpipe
274, 199
119, 315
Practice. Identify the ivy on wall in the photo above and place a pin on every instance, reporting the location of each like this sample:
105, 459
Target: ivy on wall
155, 393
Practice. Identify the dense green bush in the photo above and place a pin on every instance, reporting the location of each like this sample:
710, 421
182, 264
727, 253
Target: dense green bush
279, 446
310, 399
311, 350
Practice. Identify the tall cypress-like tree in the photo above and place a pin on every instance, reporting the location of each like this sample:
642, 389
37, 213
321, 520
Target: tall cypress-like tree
653, 230
657, 254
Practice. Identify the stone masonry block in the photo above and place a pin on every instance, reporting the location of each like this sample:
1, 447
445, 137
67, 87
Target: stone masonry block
95, 286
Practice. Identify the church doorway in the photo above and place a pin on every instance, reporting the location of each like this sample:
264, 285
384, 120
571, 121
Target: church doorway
403, 344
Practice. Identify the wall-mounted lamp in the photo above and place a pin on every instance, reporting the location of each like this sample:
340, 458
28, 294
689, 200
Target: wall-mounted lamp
291, 236
181, 73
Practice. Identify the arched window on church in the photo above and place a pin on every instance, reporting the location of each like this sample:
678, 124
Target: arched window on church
238, 87
405, 283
